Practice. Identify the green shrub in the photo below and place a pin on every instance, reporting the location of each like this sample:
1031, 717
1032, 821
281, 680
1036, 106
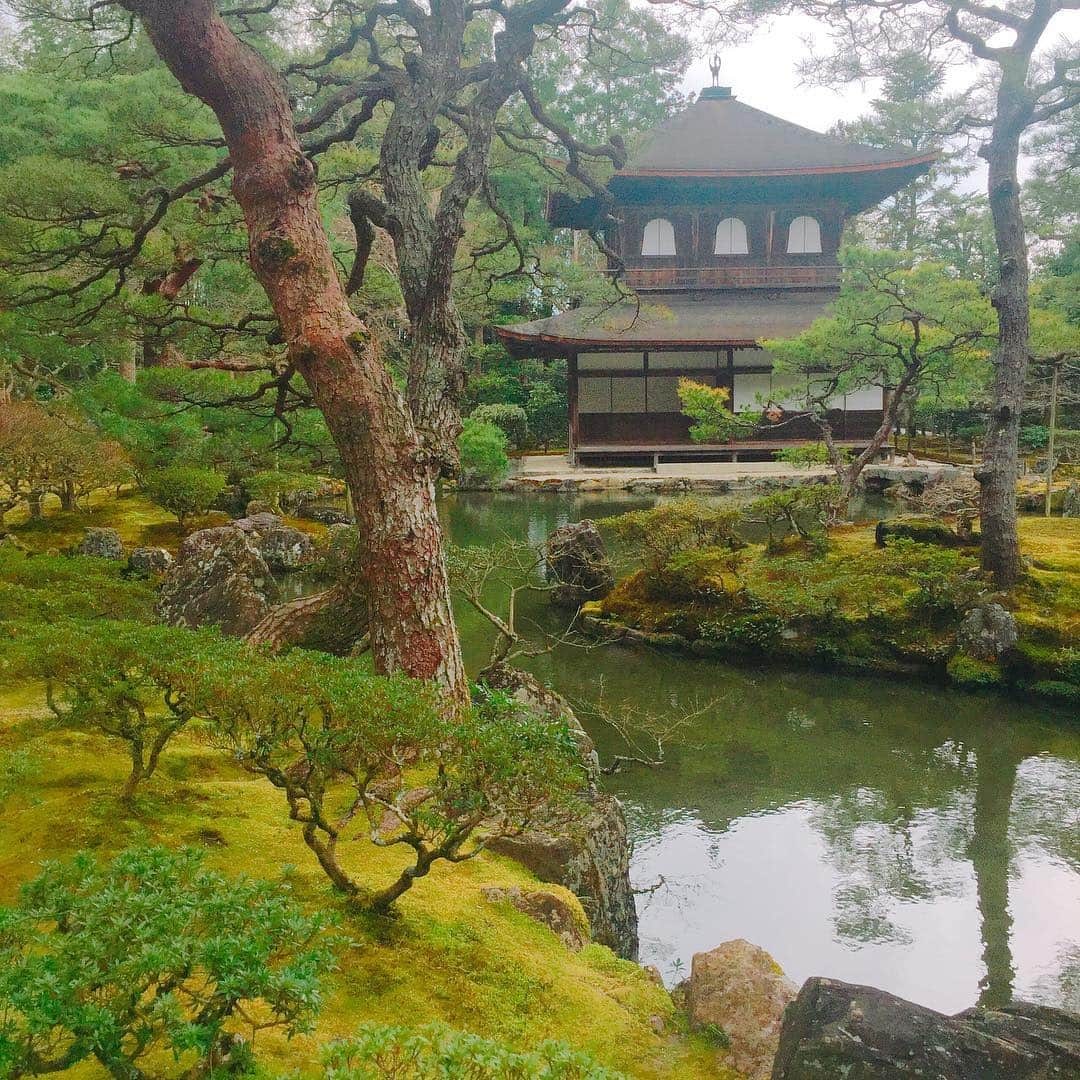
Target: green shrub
706, 575
546, 409
47, 588
271, 486
1065, 692
973, 674
437, 1052
714, 420
512, 420
183, 490
800, 513
657, 534
483, 453
946, 581
759, 631
1034, 437
150, 956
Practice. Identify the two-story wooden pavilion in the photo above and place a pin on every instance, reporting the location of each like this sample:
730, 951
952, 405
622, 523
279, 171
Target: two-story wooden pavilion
728, 225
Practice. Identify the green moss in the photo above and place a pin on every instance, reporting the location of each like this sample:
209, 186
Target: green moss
970, 673
275, 249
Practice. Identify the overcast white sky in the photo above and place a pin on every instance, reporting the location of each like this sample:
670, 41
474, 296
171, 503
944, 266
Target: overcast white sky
763, 73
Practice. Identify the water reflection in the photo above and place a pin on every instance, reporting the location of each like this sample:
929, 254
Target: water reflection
888, 832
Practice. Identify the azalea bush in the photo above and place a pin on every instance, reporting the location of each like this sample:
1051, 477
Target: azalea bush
150, 957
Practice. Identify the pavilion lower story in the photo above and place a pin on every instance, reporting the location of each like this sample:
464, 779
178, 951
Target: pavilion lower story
625, 407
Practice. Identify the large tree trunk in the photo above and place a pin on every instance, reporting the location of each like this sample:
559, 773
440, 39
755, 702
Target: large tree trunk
998, 472
402, 571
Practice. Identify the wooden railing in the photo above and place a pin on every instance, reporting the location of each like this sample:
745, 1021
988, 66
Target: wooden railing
731, 277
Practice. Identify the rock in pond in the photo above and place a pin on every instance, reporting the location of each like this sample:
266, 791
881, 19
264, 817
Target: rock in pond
593, 859
987, 632
218, 578
740, 989
102, 544
576, 562
148, 562
837, 1029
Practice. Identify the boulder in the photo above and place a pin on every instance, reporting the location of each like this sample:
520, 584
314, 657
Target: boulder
256, 508
283, 547
836, 1029
218, 578
1070, 502
576, 560
102, 544
923, 530
549, 909
593, 859
987, 632
324, 515
740, 989
148, 562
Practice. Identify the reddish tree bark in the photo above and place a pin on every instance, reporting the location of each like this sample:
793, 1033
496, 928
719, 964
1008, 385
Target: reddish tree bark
401, 568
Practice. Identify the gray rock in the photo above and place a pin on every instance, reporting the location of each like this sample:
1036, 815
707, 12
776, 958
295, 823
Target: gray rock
102, 544
987, 632
740, 988
593, 859
576, 560
283, 547
219, 578
324, 515
836, 1029
1070, 502
148, 562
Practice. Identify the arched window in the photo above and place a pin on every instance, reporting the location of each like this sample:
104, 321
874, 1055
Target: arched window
658, 238
804, 236
731, 237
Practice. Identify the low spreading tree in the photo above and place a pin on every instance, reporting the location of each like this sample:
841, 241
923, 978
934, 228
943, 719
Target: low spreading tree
898, 324
152, 966
115, 683
656, 534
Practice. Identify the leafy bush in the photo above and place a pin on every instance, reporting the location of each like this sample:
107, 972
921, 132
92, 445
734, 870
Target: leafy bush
1034, 437
758, 631
656, 534
271, 486
946, 581
708, 575
152, 957
483, 453
437, 1052
547, 410
510, 419
183, 490
47, 588
970, 673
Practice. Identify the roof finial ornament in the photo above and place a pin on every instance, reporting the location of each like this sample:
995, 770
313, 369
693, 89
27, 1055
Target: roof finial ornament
714, 67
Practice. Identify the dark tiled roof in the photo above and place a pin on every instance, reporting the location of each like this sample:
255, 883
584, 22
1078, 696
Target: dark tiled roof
721, 136
739, 318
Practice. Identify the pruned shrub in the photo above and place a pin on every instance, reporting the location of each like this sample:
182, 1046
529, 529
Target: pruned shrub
795, 517
183, 490
656, 534
275, 486
946, 581
483, 453
151, 957
437, 1052
512, 420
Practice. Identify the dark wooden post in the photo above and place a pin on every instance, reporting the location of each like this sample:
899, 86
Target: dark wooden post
572, 406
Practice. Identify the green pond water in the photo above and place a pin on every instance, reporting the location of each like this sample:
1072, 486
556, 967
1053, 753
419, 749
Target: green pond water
889, 832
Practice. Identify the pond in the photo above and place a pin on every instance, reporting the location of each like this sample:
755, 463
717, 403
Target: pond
882, 831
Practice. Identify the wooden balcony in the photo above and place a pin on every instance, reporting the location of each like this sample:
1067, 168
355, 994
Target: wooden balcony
645, 279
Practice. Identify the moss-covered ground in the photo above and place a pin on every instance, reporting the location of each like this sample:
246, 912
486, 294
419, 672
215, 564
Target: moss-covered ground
448, 954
